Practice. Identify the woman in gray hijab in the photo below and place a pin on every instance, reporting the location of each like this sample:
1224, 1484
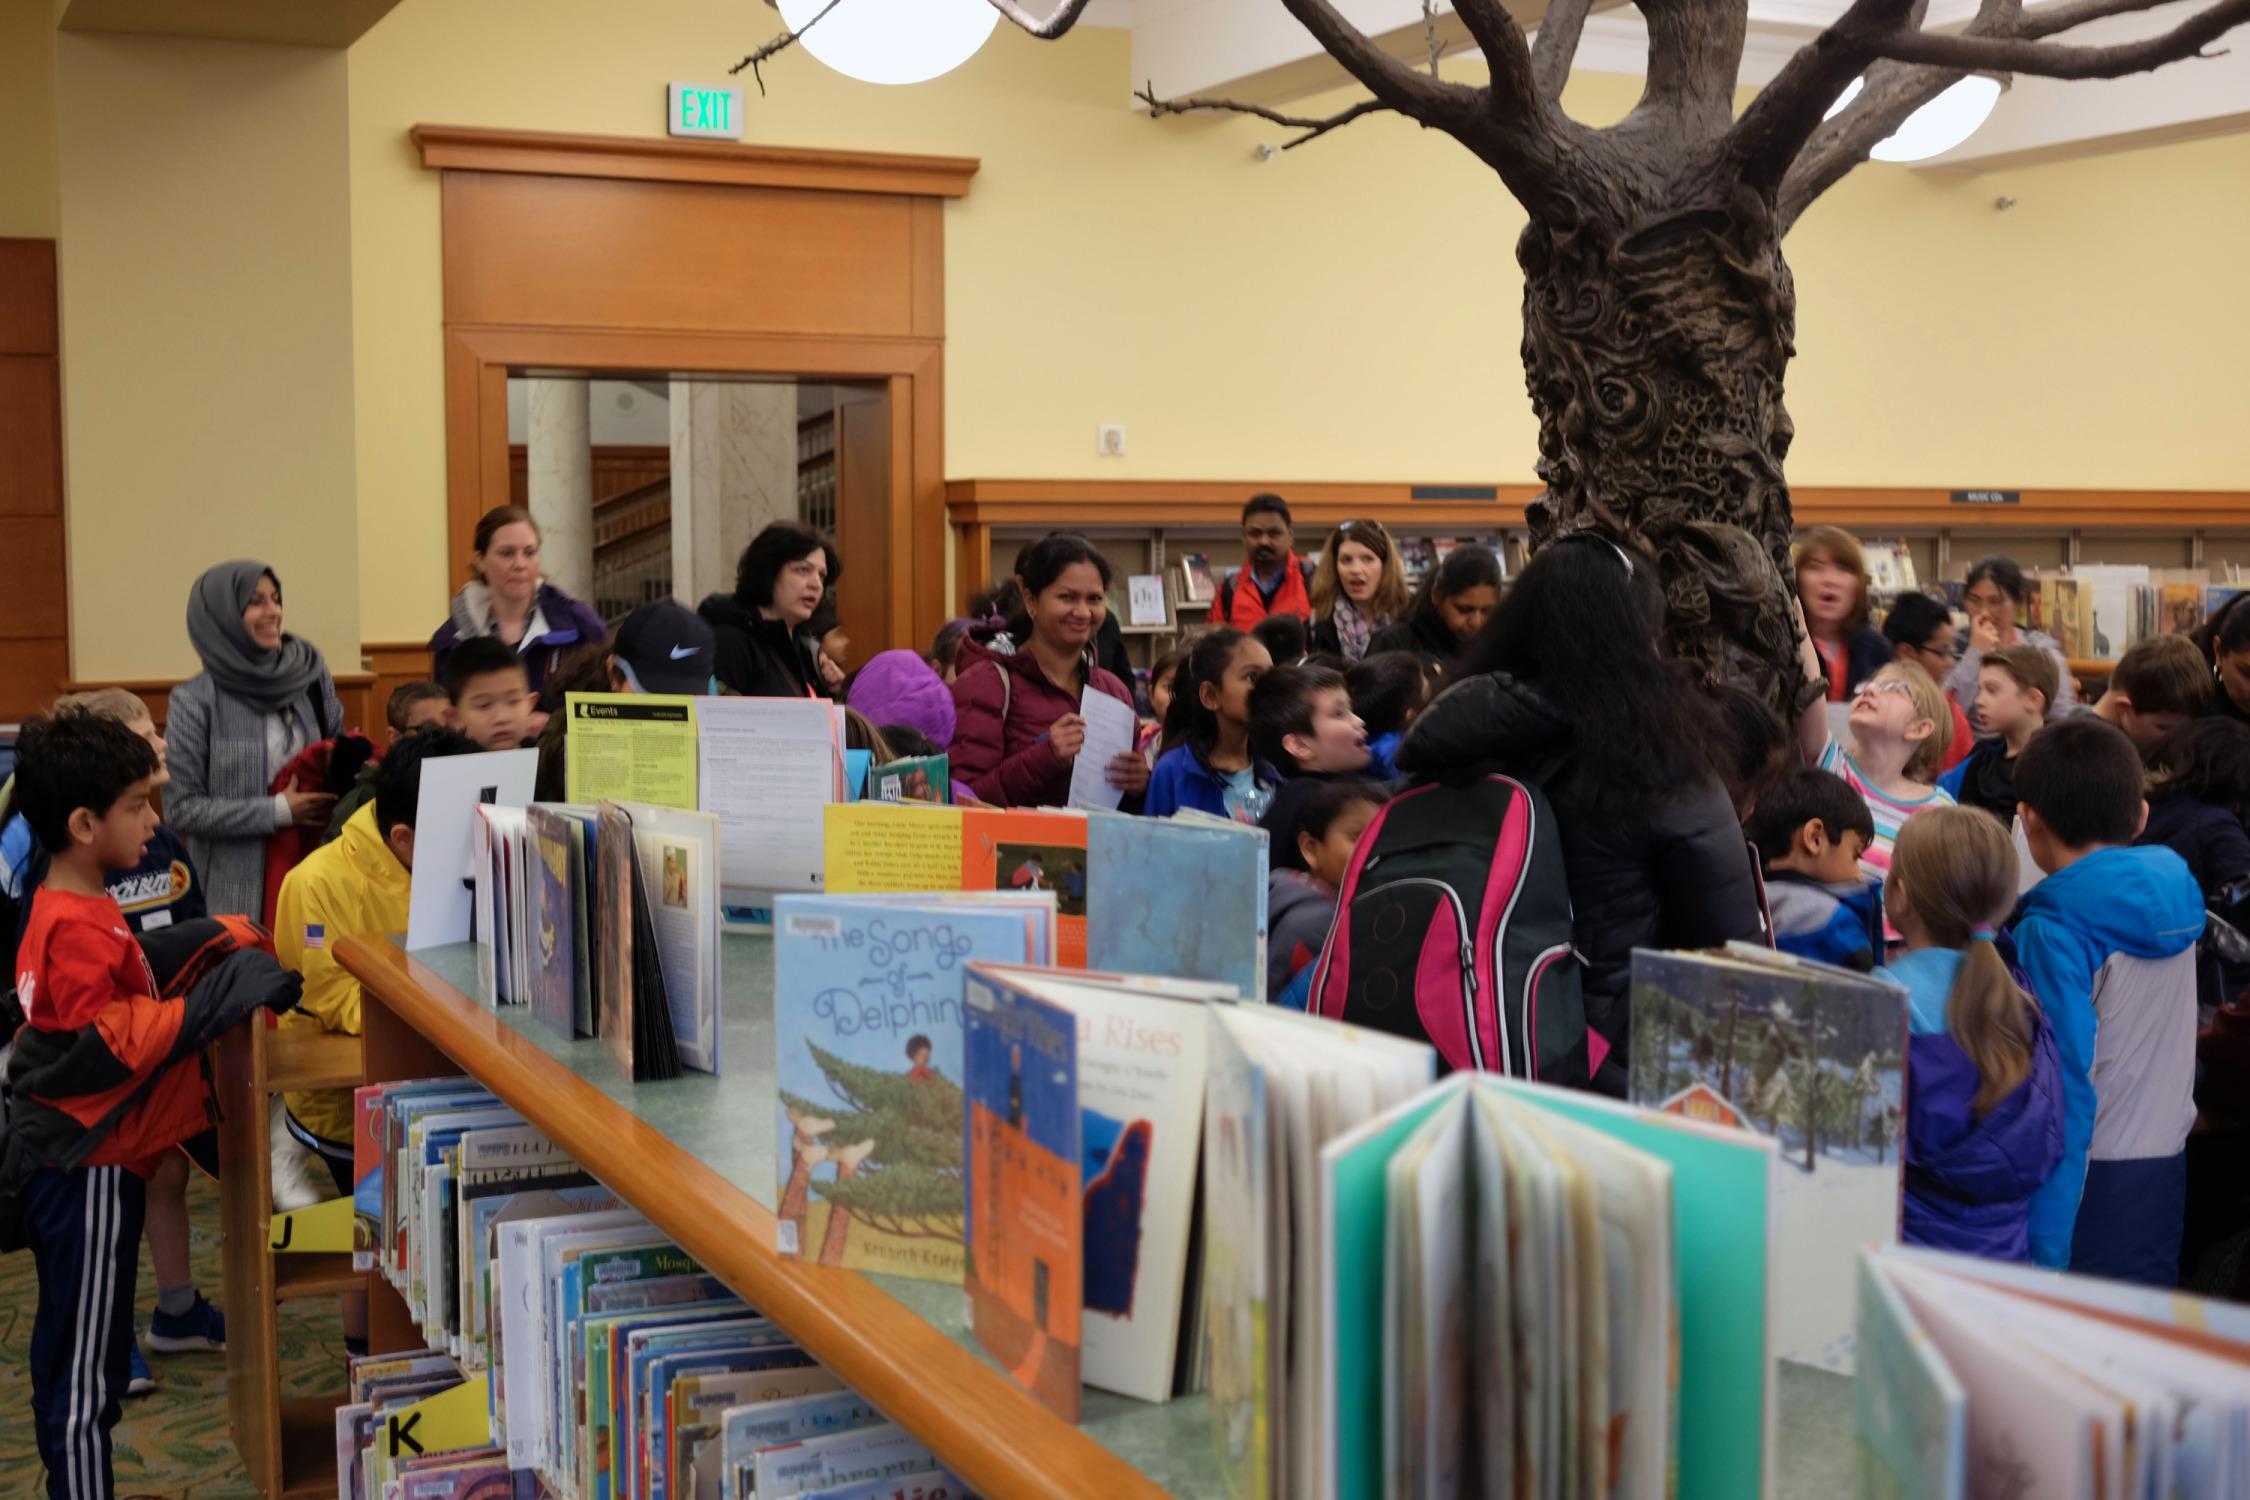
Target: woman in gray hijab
263, 695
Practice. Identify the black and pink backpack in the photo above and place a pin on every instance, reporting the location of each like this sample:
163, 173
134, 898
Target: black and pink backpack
1454, 926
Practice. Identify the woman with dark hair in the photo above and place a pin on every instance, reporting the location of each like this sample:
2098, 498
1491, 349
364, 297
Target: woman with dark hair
1832, 586
262, 697
1456, 599
1565, 684
2225, 639
1993, 596
1016, 689
507, 598
2199, 797
1358, 588
764, 628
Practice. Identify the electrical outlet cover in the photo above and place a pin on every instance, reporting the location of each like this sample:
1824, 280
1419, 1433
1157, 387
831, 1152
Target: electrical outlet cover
1110, 440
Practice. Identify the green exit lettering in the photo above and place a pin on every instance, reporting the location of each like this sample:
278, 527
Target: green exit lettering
698, 110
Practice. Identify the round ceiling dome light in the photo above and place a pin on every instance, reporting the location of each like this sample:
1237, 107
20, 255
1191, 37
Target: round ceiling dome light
892, 41
1938, 126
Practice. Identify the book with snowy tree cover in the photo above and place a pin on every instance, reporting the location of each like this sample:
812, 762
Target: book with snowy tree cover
1814, 1056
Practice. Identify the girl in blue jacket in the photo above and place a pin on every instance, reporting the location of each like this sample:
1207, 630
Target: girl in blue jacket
1207, 763
1984, 1099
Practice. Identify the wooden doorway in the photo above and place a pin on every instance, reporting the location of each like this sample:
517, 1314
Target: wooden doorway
601, 254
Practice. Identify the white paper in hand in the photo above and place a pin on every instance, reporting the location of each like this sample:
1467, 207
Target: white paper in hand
1110, 730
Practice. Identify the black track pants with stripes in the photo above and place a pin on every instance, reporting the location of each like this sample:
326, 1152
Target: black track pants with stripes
85, 1232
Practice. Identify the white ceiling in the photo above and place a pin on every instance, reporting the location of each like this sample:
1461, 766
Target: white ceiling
1254, 49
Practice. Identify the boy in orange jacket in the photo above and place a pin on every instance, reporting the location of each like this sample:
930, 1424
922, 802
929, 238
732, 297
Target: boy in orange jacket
85, 782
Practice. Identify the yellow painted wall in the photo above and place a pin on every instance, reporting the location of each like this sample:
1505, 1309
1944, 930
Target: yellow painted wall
28, 199
207, 339
1347, 311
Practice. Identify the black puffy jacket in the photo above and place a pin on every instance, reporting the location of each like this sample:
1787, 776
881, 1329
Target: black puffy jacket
1678, 877
758, 657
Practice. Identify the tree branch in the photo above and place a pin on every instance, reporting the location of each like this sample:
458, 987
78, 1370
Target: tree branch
2019, 53
1891, 93
1429, 33
1787, 111
1065, 16
1694, 60
1313, 128
1556, 46
781, 43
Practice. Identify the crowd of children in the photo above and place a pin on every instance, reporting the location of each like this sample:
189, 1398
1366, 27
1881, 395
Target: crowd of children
2035, 877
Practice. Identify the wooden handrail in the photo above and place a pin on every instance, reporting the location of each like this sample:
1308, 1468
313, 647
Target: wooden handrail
986, 1429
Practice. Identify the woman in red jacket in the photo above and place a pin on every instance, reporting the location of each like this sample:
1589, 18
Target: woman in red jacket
1017, 729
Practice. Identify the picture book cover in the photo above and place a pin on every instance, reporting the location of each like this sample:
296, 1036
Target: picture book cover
1814, 1056
920, 778
1141, 1058
1911, 1413
2179, 607
868, 1036
1178, 896
614, 921
679, 855
1023, 1189
367, 1174
553, 922
1014, 849
876, 848
1237, 1256
1197, 586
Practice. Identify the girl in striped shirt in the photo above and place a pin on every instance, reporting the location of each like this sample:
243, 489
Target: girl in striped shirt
1900, 728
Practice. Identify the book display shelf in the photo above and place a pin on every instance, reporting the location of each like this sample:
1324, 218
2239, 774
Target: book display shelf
696, 1156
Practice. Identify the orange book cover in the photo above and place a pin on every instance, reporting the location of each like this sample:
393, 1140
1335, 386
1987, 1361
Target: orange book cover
1018, 849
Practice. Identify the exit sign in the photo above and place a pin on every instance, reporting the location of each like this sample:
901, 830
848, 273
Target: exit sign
705, 110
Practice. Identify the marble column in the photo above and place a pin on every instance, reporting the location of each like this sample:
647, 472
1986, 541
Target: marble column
734, 471
559, 460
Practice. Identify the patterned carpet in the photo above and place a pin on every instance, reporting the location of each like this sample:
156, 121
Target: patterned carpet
172, 1443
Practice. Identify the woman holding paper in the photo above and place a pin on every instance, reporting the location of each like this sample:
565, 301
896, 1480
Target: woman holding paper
765, 647
263, 695
1019, 691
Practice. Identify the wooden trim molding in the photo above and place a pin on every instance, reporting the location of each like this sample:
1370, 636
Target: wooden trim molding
1001, 1441
465, 148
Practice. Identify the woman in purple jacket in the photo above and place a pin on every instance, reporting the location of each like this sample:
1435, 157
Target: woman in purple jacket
508, 598
1984, 1100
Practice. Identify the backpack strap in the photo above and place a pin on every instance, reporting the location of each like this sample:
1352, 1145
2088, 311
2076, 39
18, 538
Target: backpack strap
1007, 698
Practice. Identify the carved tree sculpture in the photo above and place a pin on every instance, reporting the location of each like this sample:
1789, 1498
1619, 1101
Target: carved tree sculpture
1658, 311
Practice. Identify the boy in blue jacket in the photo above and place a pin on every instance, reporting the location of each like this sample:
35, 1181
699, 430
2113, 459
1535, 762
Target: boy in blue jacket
1810, 828
2108, 943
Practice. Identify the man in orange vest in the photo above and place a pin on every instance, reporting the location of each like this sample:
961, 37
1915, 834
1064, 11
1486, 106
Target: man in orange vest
1272, 580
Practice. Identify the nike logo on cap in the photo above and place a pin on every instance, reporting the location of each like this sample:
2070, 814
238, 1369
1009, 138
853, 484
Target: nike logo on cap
682, 653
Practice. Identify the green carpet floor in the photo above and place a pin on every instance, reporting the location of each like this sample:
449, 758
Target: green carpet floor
172, 1443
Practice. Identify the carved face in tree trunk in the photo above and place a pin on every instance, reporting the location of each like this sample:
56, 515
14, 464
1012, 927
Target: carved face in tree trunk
1654, 357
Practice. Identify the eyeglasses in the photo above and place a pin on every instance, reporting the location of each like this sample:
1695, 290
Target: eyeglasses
1884, 685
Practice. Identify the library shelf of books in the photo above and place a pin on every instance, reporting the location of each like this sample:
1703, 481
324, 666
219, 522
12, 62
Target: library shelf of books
982, 1171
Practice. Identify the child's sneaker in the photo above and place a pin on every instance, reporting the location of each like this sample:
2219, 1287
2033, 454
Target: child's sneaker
142, 1382
201, 1327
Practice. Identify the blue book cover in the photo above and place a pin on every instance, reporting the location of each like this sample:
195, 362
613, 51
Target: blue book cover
1184, 897
868, 1037
1023, 1189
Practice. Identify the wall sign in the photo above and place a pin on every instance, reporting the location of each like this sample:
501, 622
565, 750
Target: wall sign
1988, 497
705, 110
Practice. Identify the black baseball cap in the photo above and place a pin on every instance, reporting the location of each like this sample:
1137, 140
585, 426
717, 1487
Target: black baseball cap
667, 648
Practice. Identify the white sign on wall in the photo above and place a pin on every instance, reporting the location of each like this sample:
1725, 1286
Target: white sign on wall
706, 110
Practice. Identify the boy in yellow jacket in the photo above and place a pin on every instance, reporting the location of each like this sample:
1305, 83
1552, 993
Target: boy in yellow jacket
360, 883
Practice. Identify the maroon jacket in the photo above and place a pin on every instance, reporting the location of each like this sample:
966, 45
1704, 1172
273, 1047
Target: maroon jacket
1003, 706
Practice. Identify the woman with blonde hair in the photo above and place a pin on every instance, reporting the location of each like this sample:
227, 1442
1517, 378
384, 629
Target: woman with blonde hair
1359, 587
1984, 1112
1832, 585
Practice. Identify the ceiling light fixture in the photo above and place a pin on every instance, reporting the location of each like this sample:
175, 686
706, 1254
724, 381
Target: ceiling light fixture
892, 41
1938, 126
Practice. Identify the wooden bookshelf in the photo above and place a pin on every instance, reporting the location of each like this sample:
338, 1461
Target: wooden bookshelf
287, 1447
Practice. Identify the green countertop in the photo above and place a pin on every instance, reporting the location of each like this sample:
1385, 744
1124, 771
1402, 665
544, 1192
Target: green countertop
729, 1122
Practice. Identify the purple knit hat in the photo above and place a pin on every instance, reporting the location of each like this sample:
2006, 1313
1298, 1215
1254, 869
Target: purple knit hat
898, 687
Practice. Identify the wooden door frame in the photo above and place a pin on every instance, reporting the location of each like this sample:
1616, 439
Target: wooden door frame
907, 360
911, 371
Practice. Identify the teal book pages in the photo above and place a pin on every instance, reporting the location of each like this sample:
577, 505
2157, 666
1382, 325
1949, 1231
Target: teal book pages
1354, 1212
920, 778
1911, 1413
1237, 1255
1179, 897
868, 1055
1723, 1205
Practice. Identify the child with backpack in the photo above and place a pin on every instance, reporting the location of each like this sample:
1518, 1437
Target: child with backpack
1301, 896
1984, 1117
1207, 763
